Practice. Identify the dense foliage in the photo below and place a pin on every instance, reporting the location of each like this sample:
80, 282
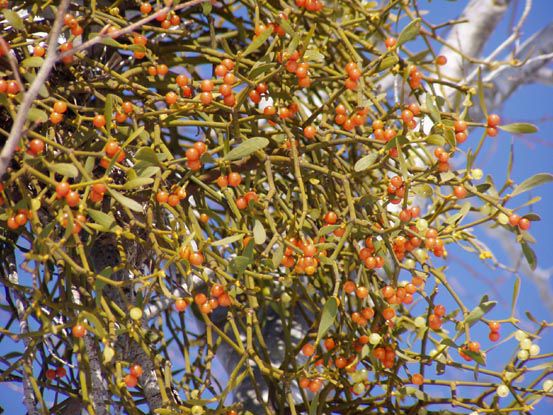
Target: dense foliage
229, 182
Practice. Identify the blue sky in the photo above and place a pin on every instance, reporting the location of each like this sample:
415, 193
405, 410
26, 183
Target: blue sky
533, 154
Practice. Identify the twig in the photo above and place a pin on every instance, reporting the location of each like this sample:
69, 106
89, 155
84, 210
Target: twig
42, 75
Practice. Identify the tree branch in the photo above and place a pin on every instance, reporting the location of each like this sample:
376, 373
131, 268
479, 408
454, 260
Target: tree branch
482, 17
13, 277
536, 53
30, 95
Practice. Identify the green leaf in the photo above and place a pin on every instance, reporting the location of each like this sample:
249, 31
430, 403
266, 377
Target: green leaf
424, 190
531, 182
402, 161
138, 182
257, 42
435, 139
148, 171
14, 19
99, 328
330, 311
36, 115
65, 169
228, 240
400, 139
516, 290
433, 109
278, 255
476, 356
459, 216
327, 229
108, 41
450, 137
246, 148
519, 128
409, 32
530, 255
126, 201
534, 217
206, 8
365, 162
32, 62
134, 135
387, 62
313, 54
259, 234
285, 24
147, 154
448, 342
105, 220
239, 264
108, 354
260, 68
477, 313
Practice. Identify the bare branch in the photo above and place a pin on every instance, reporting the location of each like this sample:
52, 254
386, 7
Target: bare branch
536, 53
482, 17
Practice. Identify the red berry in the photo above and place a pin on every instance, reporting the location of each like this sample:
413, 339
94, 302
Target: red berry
136, 370
524, 224
78, 331
131, 381
441, 60
180, 305
493, 120
390, 42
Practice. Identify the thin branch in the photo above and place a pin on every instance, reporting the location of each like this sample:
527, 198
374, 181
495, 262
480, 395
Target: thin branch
42, 75
104, 34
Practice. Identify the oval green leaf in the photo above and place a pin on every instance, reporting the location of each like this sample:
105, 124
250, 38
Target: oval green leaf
531, 182
330, 311
365, 162
228, 240
519, 128
126, 201
65, 169
246, 148
259, 234
409, 32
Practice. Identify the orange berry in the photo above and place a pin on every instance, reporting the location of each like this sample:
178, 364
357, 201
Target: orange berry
62, 188
78, 330
181, 304
234, 179
99, 121
417, 379
73, 198
131, 381
36, 146
162, 196
308, 349
196, 258
136, 370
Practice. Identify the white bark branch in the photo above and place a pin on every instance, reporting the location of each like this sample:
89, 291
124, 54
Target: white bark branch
99, 388
13, 277
536, 54
482, 17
